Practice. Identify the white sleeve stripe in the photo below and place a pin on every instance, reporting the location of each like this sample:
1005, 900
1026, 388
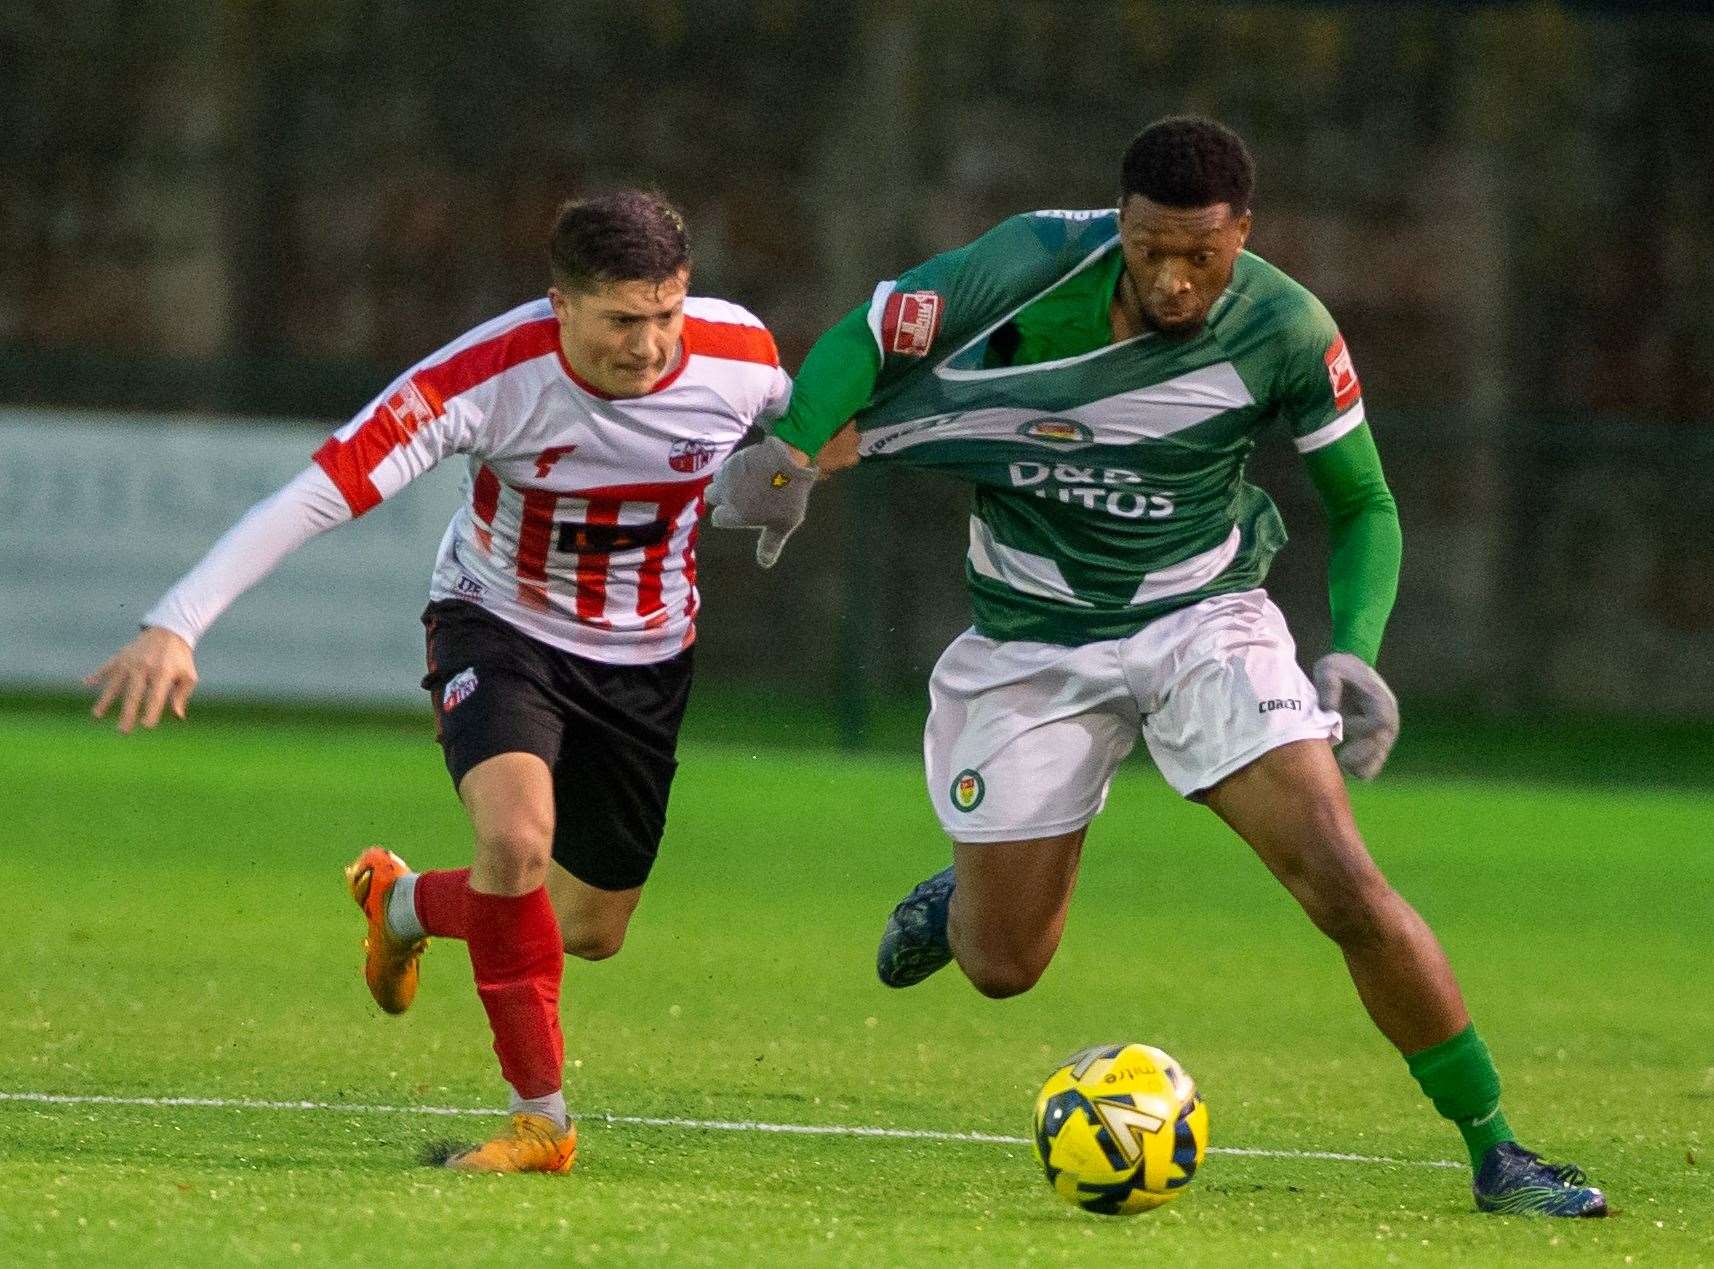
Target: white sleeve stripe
877, 308
1322, 437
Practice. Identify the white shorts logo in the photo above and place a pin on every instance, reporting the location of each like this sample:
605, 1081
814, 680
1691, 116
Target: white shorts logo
458, 688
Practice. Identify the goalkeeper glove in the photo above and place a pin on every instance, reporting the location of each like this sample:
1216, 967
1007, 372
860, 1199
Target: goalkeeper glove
1350, 687
762, 487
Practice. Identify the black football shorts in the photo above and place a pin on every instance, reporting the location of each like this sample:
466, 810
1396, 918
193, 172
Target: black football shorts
607, 732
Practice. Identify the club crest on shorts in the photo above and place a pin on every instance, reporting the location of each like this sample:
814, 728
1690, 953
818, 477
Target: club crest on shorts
458, 688
968, 789
689, 456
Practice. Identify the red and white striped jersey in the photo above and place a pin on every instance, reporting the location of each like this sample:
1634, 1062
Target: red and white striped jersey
580, 516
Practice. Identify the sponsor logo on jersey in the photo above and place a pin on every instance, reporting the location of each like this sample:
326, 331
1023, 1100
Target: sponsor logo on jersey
968, 790
577, 538
1342, 375
688, 456
1114, 490
909, 322
549, 456
1057, 432
1284, 702
467, 585
457, 690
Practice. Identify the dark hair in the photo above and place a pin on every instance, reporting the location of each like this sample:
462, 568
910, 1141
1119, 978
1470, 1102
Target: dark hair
630, 236
1189, 161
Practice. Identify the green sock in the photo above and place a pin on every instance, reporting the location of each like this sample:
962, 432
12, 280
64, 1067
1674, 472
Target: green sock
1458, 1076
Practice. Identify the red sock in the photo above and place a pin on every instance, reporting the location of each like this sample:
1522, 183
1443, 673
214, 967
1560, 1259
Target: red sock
519, 958
441, 902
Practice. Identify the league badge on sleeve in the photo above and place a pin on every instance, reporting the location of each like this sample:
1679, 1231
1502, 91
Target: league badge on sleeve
968, 789
1342, 375
910, 321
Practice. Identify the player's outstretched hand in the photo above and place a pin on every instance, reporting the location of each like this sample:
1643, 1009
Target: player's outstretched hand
152, 671
1350, 687
764, 486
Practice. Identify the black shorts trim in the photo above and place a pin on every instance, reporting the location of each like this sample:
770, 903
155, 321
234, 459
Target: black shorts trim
609, 733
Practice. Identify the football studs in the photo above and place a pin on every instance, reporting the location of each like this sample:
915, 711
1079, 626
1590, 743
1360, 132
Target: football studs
780, 480
967, 790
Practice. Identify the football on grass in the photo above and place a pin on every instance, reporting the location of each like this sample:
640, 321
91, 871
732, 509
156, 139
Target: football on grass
1120, 1129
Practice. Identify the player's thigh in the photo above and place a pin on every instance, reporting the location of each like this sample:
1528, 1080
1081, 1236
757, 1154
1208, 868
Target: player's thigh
1023, 738
592, 921
1224, 689
1291, 806
615, 772
509, 798
1011, 898
498, 722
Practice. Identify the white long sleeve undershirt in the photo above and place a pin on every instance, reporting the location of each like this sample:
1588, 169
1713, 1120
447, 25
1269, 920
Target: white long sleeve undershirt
251, 549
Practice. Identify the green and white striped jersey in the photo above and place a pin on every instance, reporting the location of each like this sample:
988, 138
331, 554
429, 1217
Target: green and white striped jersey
1110, 483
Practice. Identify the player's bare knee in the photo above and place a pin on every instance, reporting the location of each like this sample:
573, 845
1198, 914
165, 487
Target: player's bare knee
1356, 911
518, 855
998, 978
594, 945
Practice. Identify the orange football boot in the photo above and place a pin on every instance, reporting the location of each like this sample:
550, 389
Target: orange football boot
531, 1143
389, 962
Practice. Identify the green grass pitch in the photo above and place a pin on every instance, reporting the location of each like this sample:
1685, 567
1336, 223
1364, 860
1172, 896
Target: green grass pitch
174, 926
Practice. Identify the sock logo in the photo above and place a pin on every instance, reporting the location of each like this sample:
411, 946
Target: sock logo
458, 688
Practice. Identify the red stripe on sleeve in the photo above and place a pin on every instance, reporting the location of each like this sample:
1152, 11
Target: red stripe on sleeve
592, 565
731, 340
350, 463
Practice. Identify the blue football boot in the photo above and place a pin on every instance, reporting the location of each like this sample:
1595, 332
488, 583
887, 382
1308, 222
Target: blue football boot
914, 944
1515, 1181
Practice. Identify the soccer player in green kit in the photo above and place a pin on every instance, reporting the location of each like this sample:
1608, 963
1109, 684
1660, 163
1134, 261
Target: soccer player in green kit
1100, 377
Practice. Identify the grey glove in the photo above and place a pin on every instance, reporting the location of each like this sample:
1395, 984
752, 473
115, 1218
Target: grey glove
762, 487
1349, 687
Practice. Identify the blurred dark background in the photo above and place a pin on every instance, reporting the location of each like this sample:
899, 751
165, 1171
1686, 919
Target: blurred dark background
270, 208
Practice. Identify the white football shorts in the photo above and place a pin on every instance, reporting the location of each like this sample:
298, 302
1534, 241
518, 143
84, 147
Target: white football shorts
1023, 738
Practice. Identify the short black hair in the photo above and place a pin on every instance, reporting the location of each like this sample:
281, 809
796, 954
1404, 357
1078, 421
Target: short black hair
629, 236
1189, 161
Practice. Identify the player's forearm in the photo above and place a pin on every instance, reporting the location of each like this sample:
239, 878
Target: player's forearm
248, 552
835, 382
1366, 542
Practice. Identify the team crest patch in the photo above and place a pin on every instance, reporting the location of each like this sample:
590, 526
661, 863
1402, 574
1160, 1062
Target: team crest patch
457, 690
1342, 375
689, 456
968, 790
1057, 432
909, 322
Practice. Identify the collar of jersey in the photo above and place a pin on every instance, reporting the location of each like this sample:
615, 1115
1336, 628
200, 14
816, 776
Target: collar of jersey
661, 385
945, 370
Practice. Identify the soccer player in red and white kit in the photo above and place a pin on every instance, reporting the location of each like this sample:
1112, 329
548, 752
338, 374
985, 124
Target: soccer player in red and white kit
560, 621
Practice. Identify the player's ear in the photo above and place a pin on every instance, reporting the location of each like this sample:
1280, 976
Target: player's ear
1243, 227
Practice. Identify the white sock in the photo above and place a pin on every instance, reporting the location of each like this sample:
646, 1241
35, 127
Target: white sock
402, 909
550, 1107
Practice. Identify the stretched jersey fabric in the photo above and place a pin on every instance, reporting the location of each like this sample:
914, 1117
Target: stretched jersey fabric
580, 516
1109, 483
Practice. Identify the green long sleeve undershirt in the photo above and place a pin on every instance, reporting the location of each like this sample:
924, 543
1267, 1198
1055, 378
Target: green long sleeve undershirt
838, 376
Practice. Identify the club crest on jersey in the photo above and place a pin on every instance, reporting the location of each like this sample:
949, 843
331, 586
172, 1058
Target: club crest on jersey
1342, 375
909, 322
457, 690
688, 456
1057, 432
968, 790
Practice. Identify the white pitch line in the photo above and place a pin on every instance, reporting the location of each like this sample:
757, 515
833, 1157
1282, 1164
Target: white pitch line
656, 1121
